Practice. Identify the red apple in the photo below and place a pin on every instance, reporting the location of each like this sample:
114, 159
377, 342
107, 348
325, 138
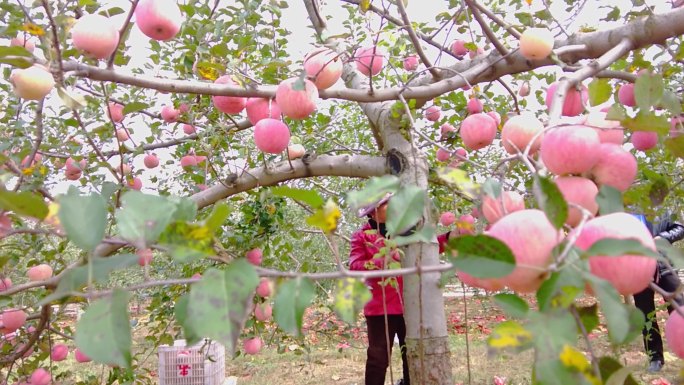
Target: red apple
433, 113
443, 155
536, 43
5, 283
411, 63
40, 376
115, 111
254, 256
253, 345
494, 209
12, 319
574, 100
39, 272
271, 135
580, 191
33, 83
188, 161
570, 149
170, 114
628, 273
524, 89
261, 108
626, 95
644, 140
458, 48
297, 97
95, 35
36, 159
80, 357
674, 332
144, 256
447, 218
446, 128
369, 60
474, 106
263, 312
59, 352
122, 134
189, 129
295, 151
158, 19
615, 167
228, 104
478, 131
324, 67
518, 132
151, 161
531, 238
21, 40
265, 288
134, 183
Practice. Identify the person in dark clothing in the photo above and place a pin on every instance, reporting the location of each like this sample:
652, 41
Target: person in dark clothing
667, 280
386, 303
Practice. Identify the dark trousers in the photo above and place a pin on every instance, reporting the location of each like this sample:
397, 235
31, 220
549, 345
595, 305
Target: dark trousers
378, 350
645, 301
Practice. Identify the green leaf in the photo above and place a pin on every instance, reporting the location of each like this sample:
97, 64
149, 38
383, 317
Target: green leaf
609, 366
492, 187
562, 287
183, 317
482, 256
589, 317
647, 121
616, 112
217, 217
425, 234
374, 190
512, 305
460, 180
309, 197
405, 209
611, 247
350, 297
142, 218
186, 208
220, 302
23, 203
104, 331
187, 242
599, 91
657, 191
74, 279
134, 107
292, 298
509, 335
609, 200
71, 100
624, 322
674, 254
648, 90
550, 200
84, 218
671, 103
675, 146
16, 56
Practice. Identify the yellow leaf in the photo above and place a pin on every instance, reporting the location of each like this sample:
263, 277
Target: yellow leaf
33, 29
326, 217
365, 5
208, 72
460, 179
509, 334
199, 233
529, 2
574, 359
27, 170
51, 217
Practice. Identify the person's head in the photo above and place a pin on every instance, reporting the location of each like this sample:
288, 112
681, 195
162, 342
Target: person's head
376, 210
379, 214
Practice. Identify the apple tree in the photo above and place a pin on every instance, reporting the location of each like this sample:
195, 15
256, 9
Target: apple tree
220, 145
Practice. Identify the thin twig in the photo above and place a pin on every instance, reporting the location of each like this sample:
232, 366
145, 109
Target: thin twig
415, 41
122, 32
487, 31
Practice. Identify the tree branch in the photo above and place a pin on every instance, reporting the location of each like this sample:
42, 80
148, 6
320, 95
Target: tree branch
122, 32
496, 19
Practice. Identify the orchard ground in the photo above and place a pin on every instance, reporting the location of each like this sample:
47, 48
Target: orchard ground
332, 352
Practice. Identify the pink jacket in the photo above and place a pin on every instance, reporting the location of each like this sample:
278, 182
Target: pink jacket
365, 244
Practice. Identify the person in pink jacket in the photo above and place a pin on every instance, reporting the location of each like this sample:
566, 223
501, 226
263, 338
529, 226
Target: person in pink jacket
367, 253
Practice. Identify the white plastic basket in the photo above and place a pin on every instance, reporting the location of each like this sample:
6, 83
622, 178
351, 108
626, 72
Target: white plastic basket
200, 364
